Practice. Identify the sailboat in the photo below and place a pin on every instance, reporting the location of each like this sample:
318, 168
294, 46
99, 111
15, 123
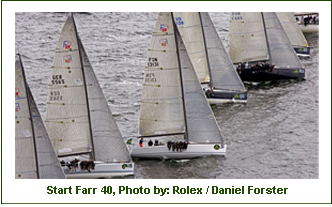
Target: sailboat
78, 119
294, 33
34, 154
304, 22
175, 116
260, 48
210, 59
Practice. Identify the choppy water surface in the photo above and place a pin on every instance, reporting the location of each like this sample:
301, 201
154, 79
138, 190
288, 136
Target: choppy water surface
274, 135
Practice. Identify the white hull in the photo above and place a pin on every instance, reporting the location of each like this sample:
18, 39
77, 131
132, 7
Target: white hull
101, 170
222, 101
309, 28
302, 55
193, 150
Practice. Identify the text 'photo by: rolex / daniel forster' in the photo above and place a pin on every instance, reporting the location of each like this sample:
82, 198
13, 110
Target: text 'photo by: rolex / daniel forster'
155, 78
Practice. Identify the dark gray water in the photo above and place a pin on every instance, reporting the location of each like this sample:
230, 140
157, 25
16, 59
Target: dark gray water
274, 135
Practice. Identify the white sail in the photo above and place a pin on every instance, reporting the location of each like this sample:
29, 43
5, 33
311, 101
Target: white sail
190, 27
223, 74
292, 29
247, 41
67, 118
161, 103
34, 154
25, 157
202, 125
281, 49
107, 140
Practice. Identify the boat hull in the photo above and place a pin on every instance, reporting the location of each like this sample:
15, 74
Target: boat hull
302, 51
193, 151
310, 28
276, 74
101, 170
220, 97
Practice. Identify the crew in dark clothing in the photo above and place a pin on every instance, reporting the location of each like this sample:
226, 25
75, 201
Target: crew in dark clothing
150, 143
185, 145
156, 142
169, 145
173, 146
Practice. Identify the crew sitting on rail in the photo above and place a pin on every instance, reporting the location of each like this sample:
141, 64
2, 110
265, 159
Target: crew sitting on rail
156, 142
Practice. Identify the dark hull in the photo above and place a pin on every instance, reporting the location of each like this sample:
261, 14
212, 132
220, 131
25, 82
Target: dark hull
302, 51
220, 96
276, 74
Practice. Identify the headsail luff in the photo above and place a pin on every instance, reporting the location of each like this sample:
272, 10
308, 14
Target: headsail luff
281, 49
34, 153
223, 74
108, 141
67, 117
162, 102
247, 37
292, 29
202, 125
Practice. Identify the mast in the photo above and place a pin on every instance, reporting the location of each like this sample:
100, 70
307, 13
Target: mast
179, 63
266, 38
85, 89
32, 127
206, 51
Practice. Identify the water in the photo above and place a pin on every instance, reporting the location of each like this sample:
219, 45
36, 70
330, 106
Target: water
274, 135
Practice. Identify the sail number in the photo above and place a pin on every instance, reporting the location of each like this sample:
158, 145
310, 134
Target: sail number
55, 96
236, 16
153, 62
57, 79
150, 77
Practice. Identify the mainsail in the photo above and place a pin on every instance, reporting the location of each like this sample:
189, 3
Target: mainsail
34, 154
79, 117
292, 29
67, 117
165, 108
281, 49
247, 41
161, 103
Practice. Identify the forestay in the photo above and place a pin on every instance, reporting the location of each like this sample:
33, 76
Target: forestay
107, 140
34, 154
190, 27
223, 74
202, 125
161, 103
67, 118
247, 42
281, 49
292, 29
